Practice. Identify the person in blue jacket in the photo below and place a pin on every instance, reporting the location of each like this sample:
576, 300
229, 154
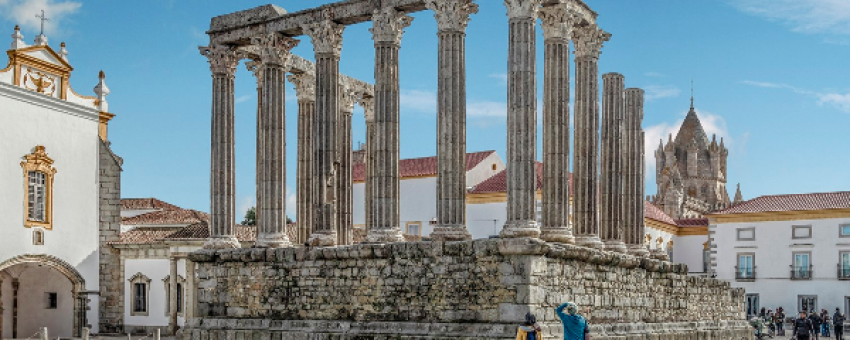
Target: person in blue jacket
575, 325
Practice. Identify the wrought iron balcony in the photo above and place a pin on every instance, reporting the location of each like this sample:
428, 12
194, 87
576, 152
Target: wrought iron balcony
843, 272
745, 274
801, 272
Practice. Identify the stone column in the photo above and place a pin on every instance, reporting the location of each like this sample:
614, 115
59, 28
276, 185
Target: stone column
347, 99
272, 50
387, 29
223, 61
255, 67
172, 297
452, 17
610, 215
557, 22
327, 44
305, 90
588, 42
634, 178
190, 296
368, 106
522, 120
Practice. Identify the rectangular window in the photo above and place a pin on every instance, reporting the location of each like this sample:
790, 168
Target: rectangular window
746, 266
802, 267
414, 229
801, 231
844, 230
179, 298
747, 234
36, 197
752, 305
140, 298
807, 303
844, 265
51, 300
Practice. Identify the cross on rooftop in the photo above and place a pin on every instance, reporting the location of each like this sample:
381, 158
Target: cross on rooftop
43, 19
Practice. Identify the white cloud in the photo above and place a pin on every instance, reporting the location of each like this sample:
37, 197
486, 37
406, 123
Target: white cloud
291, 203
654, 92
502, 77
808, 16
23, 12
837, 100
840, 101
245, 204
418, 101
486, 109
242, 99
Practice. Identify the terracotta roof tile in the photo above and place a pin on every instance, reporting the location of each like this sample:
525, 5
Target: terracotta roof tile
146, 204
195, 232
692, 222
653, 212
425, 166
145, 235
499, 182
167, 217
792, 202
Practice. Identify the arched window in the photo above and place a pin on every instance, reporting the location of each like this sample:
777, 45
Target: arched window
38, 179
140, 286
494, 167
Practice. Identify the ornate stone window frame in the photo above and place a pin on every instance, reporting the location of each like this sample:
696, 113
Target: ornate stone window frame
140, 278
38, 237
38, 161
181, 281
407, 228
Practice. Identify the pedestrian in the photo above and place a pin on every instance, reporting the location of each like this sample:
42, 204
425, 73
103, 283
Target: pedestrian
816, 321
802, 327
762, 313
575, 325
838, 324
825, 326
779, 319
529, 330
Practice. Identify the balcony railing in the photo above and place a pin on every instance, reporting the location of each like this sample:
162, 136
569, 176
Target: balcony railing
745, 274
801, 273
843, 272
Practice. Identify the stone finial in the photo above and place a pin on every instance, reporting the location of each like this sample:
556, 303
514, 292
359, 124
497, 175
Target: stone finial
452, 15
222, 59
40, 40
588, 40
18, 39
305, 86
326, 36
102, 91
522, 9
558, 21
388, 25
273, 48
63, 52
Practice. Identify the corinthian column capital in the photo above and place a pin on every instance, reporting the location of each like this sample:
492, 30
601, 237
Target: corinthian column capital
326, 36
388, 25
255, 66
558, 21
521, 9
368, 105
588, 40
272, 48
223, 59
452, 15
305, 86
347, 98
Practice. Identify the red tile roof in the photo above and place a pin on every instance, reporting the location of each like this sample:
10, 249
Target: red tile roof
167, 217
499, 182
425, 166
144, 235
195, 232
692, 222
653, 212
146, 204
793, 202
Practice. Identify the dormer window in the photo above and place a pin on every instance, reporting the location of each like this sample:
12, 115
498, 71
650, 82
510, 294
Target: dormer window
38, 176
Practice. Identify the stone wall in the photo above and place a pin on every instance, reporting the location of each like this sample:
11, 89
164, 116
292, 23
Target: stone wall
457, 290
111, 274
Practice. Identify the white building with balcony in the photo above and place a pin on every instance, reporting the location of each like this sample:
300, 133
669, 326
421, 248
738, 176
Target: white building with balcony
790, 251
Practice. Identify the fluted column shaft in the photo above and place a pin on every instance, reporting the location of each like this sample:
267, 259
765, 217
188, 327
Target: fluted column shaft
452, 17
522, 120
388, 26
172, 296
306, 93
557, 25
344, 193
611, 185
327, 44
586, 158
634, 186
271, 209
223, 61
368, 109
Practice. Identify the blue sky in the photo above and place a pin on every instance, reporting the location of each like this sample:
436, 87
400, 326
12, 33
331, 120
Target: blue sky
771, 77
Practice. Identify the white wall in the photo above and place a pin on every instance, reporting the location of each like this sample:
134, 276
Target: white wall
484, 220
418, 203
689, 250
484, 170
156, 270
35, 282
773, 248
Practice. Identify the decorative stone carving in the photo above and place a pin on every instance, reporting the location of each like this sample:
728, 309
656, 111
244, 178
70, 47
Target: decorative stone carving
305, 86
326, 36
388, 25
273, 48
222, 59
558, 21
522, 8
452, 15
588, 41
348, 96
255, 67
368, 105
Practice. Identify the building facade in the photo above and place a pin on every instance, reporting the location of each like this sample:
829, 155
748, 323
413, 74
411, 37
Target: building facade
56, 169
790, 251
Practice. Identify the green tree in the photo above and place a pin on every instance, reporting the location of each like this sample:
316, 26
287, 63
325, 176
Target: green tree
250, 217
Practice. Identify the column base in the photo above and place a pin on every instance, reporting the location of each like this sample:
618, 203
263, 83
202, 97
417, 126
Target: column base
272, 241
615, 245
515, 229
557, 235
590, 241
222, 242
322, 239
450, 232
388, 235
659, 254
638, 250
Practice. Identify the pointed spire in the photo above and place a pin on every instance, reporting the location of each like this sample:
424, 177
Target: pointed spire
738, 197
721, 142
18, 39
661, 144
102, 91
692, 94
41, 39
63, 52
